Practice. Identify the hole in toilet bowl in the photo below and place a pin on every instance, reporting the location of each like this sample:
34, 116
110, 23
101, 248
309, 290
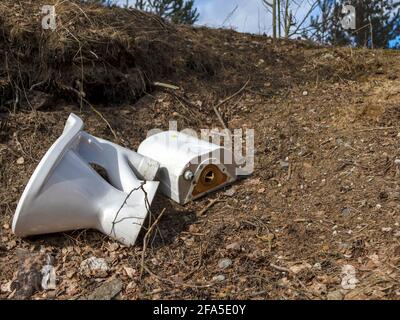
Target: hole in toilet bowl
209, 177
101, 171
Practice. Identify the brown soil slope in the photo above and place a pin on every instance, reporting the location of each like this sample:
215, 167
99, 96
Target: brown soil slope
324, 193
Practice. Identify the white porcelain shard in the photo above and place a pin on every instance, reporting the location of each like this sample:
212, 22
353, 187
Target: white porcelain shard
66, 193
189, 167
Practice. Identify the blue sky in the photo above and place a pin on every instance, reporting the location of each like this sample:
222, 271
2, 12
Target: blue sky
250, 15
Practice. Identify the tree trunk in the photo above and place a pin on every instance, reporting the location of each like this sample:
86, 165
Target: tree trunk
287, 19
274, 18
279, 18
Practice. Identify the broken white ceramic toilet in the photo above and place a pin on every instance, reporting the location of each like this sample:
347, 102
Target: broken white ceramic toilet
66, 193
189, 167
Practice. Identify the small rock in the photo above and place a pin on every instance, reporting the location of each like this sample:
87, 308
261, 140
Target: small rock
397, 161
6, 287
260, 62
284, 164
363, 203
106, 291
305, 93
70, 274
283, 282
218, 278
224, 263
388, 229
20, 160
317, 266
335, 295
233, 246
374, 259
319, 288
95, 267
130, 272
346, 211
230, 192
11, 244
6, 226
297, 268
261, 190
131, 286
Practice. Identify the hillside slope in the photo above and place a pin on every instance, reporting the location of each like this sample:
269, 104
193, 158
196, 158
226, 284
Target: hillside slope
324, 193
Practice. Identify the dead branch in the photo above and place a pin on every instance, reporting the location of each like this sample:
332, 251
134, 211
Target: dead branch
145, 241
226, 100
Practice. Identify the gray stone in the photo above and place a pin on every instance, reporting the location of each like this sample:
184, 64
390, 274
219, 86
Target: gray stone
230, 192
107, 291
334, 295
346, 211
219, 278
233, 246
224, 263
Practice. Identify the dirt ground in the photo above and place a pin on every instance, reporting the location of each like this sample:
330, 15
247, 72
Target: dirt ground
324, 196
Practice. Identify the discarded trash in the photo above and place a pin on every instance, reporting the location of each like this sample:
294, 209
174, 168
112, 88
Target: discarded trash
349, 279
189, 167
48, 274
95, 267
29, 276
66, 193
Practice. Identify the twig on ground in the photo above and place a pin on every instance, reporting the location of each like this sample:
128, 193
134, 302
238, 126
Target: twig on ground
145, 240
101, 116
177, 284
165, 85
288, 271
279, 268
192, 113
226, 100
209, 205
374, 129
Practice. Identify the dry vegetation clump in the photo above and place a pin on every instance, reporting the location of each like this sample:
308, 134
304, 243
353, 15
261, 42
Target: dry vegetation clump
102, 54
